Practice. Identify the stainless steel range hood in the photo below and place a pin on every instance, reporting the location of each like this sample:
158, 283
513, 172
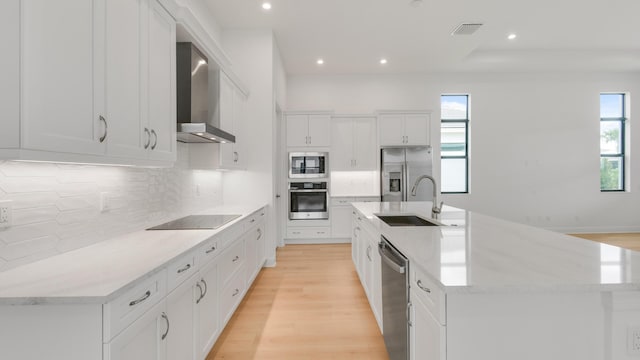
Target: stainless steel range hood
195, 124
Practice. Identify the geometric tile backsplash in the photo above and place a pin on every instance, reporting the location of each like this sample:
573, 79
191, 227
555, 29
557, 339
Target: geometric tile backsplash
56, 207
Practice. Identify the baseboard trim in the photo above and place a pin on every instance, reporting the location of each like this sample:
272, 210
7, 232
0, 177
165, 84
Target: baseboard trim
317, 241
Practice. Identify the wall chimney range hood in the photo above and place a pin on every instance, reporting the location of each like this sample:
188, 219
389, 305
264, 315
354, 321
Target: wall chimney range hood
195, 124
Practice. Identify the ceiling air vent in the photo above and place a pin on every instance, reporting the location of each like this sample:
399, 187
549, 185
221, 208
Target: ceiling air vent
466, 29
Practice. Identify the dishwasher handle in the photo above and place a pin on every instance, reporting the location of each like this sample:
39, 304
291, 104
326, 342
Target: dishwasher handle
387, 257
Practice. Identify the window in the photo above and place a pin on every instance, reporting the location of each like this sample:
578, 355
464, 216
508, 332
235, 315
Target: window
454, 140
612, 141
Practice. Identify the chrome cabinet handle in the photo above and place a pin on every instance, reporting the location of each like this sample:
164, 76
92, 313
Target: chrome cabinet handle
155, 139
146, 130
259, 234
205, 288
409, 306
213, 248
201, 293
235, 156
252, 220
187, 267
262, 214
425, 289
166, 318
143, 298
104, 135
236, 258
235, 292
369, 252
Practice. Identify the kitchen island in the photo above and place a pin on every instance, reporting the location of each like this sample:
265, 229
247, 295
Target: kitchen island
485, 288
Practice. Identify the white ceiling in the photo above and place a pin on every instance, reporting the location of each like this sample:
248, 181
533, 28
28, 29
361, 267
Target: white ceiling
352, 35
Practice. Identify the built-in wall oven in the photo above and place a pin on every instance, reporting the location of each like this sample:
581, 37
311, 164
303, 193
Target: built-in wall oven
308, 200
308, 165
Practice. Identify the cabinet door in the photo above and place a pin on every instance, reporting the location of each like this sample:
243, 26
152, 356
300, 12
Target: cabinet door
58, 76
124, 54
428, 337
239, 124
227, 93
10, 74
319, 130
142, 340
416, 129
161, 80
364, 143
297, 130
180, 311
251, 251
207, 310
391, 130
341, 221
342, 135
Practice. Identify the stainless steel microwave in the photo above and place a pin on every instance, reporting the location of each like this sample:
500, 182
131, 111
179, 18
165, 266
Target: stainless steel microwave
308, 165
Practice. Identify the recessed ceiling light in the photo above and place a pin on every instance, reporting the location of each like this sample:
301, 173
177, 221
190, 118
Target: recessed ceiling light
511, 36
266, 5
320, 62
383, 61
415, 3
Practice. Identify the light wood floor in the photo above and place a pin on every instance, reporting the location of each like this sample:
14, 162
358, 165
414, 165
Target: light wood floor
310, 306
624, 240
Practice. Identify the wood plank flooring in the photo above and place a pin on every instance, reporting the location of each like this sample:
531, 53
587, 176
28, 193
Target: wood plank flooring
310, 306
624, 240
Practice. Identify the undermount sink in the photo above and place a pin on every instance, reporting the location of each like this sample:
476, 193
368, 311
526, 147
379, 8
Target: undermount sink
405, 220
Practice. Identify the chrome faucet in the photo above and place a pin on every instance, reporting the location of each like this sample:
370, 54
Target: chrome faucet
435, 209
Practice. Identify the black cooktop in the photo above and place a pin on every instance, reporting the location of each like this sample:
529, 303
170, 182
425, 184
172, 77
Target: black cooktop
195, 222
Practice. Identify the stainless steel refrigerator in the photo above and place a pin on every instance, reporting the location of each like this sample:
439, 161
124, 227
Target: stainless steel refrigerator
400, 167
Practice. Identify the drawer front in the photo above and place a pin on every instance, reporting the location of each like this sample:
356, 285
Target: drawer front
180, 270
429, 293
231, 260
231, 295
342, 201
230, 235
124, 310
308, 233
253, 219
208, 251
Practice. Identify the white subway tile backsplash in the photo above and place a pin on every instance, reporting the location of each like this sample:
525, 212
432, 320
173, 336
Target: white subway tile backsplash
56, 207
34, 215
23, 249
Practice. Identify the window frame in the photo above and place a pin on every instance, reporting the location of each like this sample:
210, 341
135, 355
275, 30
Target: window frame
464, 121
623, 143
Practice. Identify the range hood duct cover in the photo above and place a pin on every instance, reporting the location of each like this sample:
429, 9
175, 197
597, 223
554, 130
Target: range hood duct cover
195, 125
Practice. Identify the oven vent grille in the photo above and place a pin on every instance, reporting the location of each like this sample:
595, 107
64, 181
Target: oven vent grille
466, 29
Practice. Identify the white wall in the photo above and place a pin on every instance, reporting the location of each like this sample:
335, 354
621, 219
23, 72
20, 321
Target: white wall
534, 139
251, 52
56, 206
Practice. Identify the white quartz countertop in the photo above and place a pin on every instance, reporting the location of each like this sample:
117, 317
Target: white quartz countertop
101, 272
479, 253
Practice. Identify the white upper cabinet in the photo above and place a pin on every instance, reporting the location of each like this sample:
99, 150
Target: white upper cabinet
162, 84
96, 79
306, 130
57, 76
232, 119
404, 129
353, 143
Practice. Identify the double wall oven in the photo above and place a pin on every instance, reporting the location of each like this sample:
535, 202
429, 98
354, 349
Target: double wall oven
308, 186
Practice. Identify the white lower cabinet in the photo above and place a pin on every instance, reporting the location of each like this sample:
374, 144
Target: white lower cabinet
427, 335
254, 242
208, 325
368, 263
181, 308
144, 339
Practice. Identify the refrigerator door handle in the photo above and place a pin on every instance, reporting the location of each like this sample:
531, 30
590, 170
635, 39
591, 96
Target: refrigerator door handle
405, 180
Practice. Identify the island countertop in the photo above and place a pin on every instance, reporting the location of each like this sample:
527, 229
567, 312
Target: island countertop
473, 252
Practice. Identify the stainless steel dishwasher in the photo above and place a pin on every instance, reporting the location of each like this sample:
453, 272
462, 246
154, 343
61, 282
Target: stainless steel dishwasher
395, 300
